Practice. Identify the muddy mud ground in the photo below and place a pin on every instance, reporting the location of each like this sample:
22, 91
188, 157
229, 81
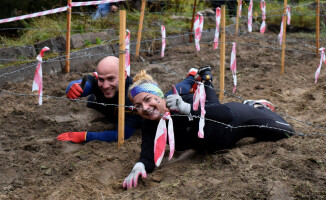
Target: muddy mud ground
34, 165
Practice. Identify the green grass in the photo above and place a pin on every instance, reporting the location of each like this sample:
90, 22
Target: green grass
42, 28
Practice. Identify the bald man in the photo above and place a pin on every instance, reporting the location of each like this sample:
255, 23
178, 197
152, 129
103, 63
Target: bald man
102, 87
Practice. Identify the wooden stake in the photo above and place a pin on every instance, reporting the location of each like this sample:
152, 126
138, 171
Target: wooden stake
317, 27
67, 69
222, 54
122, 81
237, 23
140, 28
192, 22
283, 37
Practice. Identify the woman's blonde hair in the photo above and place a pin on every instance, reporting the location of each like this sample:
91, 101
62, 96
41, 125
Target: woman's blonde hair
142, 75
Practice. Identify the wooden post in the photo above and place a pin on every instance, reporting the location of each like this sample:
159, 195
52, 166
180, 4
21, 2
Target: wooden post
192, 22
222, 54
122, 81
140, 28
283, 37
237, 23
317, 26
67, 69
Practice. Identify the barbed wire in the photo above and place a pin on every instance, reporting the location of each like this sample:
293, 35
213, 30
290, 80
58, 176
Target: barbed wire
189, 44
174, 114
242, 99
275, 10
171, 46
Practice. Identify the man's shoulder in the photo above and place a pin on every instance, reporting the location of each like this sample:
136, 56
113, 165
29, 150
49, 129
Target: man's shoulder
93, 75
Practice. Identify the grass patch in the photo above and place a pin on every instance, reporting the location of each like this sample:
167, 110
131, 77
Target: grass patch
50, 26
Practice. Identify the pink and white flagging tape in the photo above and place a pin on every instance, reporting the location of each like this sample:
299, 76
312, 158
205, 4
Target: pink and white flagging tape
322, 59
288, 13
217, 30
127, 55
89, 3
233, 66
38, 77
240, 8
56, 10
163, 33
200, 96
198, 26
263, 11
250, 15
160, 139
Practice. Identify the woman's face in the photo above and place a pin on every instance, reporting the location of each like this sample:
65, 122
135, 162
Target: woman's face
149, 106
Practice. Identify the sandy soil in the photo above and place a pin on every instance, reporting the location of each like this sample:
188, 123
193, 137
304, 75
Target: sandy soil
34, 165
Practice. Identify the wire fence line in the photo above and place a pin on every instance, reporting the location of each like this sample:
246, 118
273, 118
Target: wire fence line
160, 13
73, 53
177, 115
172, 46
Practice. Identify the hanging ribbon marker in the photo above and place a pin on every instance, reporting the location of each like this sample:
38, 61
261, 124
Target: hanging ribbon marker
233, 66
127, 55
198, 27
57, 10
160, 139
163, 39
200, 96
322, 59
38, 77
240, 8
250, 16
288, 13
263, 11
280, 35
217, 30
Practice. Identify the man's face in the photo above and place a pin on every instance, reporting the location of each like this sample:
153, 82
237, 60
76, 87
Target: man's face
108, 81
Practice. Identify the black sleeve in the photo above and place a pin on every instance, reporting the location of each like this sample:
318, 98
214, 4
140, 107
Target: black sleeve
147, 146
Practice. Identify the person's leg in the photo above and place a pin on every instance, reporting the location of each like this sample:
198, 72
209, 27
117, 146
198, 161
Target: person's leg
210, 92
104, 9
96, 15
206, 78
184, 86
260, 122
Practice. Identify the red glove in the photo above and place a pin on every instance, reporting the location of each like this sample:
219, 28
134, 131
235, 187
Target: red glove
75, 91
76, 137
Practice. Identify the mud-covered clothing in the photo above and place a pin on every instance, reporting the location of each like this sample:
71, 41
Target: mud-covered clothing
217, 134
109, 109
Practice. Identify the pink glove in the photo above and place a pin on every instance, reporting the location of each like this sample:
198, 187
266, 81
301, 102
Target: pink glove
76, 137
132, 179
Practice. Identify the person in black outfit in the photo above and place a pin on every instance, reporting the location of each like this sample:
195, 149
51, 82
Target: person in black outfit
225, 124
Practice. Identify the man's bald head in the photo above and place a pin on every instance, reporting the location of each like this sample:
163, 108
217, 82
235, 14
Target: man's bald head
108, 64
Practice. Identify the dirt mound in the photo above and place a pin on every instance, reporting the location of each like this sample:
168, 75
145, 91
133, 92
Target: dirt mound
34, 165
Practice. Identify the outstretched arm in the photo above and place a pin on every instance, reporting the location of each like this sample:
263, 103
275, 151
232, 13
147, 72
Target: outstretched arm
106, 136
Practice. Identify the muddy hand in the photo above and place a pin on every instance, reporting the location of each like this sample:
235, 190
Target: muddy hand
132, 179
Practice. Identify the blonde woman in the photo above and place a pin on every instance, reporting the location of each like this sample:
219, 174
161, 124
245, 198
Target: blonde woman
220, 120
